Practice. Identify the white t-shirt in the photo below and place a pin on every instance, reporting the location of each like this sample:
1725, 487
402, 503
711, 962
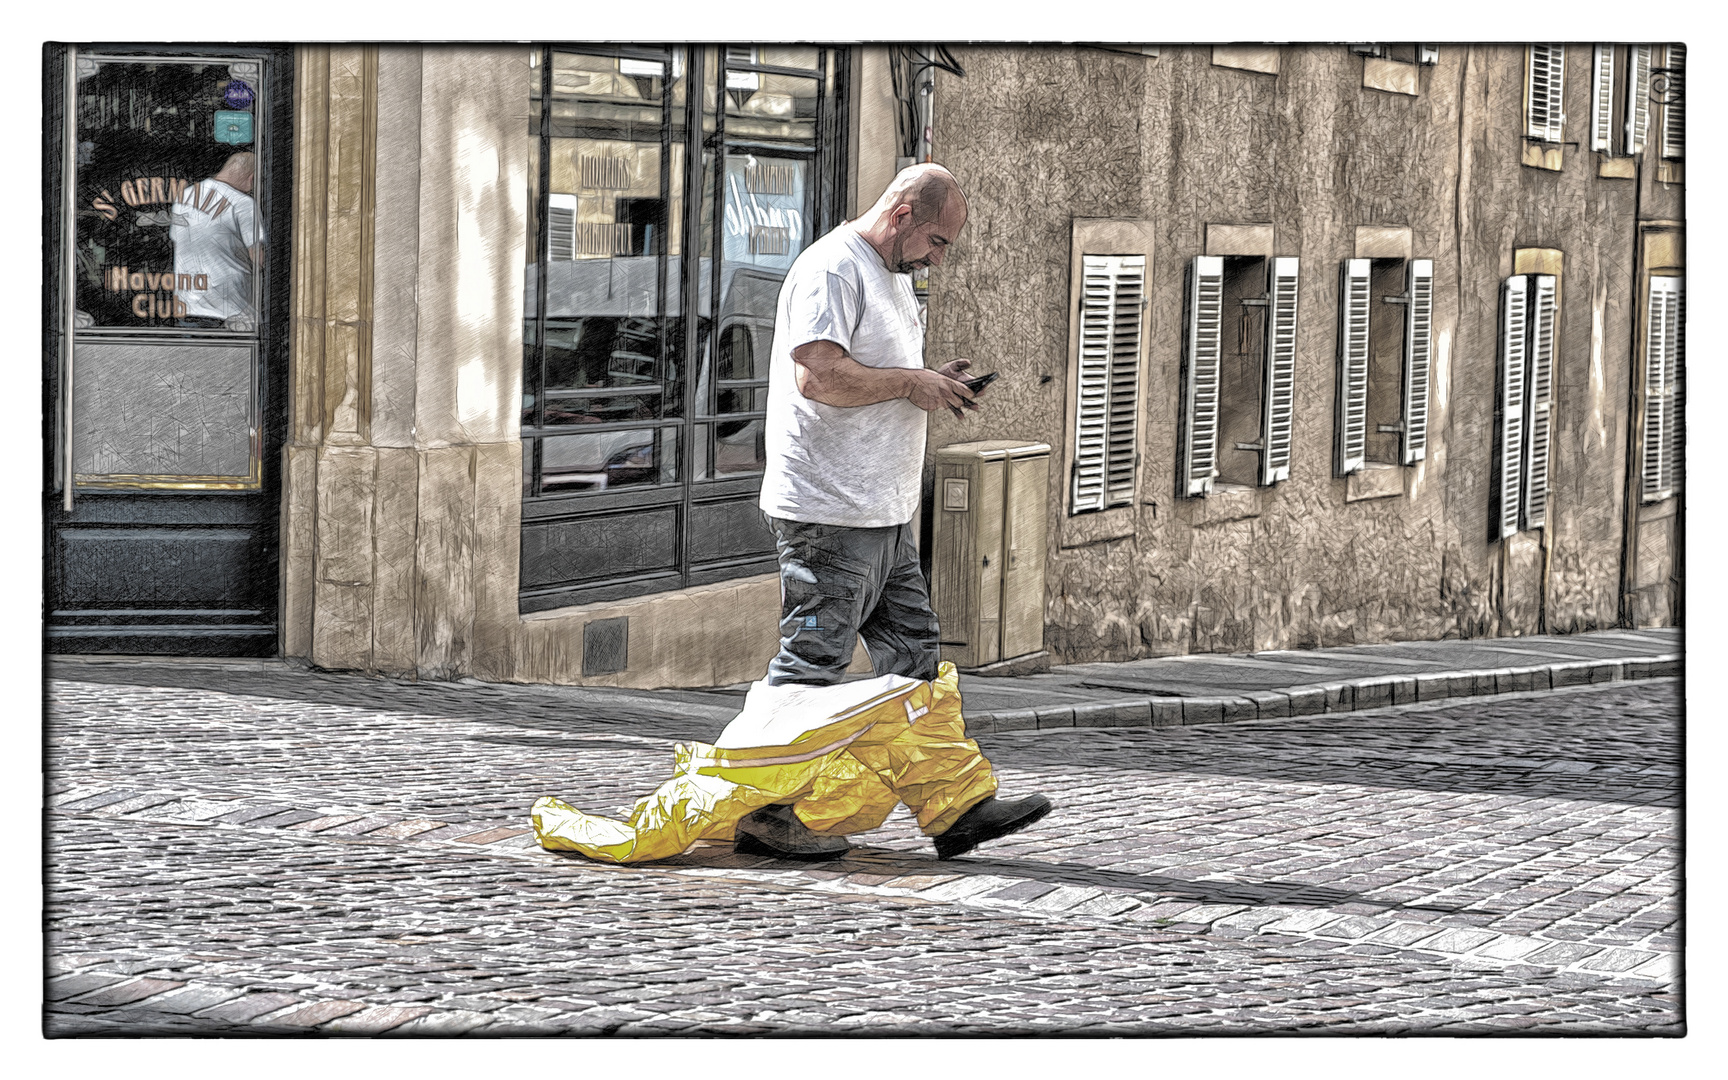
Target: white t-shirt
829, 465
213, 226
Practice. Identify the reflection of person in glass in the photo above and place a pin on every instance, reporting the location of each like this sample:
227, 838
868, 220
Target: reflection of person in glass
218, 240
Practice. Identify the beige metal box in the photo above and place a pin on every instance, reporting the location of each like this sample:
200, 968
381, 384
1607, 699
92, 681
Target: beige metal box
987, 564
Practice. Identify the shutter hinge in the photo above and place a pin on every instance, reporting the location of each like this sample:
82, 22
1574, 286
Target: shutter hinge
1256, 301
1250, 446
1402, 299
1391, 429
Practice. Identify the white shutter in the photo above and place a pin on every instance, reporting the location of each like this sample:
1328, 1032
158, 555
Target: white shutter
561, 227
1418, 356
1602, 100
1637, 97
1543, 95
1674, 114
1278, 410
1199, 449
1352, 420
1509, 411
1676, 425
1112, 289
1662, 346
1538, 399
1127, 304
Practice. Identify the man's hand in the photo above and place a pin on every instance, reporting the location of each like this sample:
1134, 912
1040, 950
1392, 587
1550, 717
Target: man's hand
825, 373
932, 390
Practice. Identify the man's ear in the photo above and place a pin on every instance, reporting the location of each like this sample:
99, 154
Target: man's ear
901, 217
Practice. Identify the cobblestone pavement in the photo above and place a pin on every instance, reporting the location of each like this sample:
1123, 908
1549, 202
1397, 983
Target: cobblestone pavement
247, 849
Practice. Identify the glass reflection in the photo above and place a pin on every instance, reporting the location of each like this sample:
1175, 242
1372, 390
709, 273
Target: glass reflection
170, 231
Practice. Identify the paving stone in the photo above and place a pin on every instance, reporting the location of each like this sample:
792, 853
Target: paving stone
310, 1016
1441, 820
242, 1010
70, 986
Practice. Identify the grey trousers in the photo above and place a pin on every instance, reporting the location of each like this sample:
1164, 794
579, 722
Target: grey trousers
838, 583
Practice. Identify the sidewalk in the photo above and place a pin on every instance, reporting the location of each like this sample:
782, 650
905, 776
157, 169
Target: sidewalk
1207, 688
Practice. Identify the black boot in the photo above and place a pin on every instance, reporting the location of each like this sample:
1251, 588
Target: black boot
776, 831
988, 820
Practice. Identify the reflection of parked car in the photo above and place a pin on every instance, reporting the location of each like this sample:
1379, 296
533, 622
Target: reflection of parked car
602, 365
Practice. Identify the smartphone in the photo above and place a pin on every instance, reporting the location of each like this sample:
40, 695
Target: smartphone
980, 382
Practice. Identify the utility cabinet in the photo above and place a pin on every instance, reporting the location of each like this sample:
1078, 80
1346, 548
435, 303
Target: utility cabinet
987, 562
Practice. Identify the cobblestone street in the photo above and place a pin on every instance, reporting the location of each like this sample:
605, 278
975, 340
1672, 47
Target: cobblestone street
244, 848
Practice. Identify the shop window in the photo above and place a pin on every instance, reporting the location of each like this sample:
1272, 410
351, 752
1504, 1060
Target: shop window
1238, 372
665, 218
1523, 400
1385, 332
1664, 344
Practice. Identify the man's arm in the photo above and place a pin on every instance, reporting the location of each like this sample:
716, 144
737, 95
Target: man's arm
827, 374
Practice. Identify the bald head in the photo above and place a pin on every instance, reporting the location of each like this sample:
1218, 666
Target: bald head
917, 217
237, 172
927, 188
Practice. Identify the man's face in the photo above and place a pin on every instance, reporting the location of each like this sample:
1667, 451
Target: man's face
918, 246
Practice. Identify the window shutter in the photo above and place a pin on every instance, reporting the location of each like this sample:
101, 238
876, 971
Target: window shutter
1674, 114
1352, 421
1543, 93
1418, 354
1602, 100
1199, 447
1279, 408
1637, 97
1538, 399
1676, 425
561, 227
1128, 303
1662, 319
1112, 291
1509, 414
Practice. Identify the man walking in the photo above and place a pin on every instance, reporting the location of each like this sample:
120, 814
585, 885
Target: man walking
847, 395
808, 760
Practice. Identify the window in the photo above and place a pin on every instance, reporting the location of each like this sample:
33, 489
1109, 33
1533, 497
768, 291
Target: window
1110, 266
1238, 372
1664, 368
1385, 342
1393, 67
1674, 107
1620, 99
658, 174
1523, 399
1112, 301
1544, 93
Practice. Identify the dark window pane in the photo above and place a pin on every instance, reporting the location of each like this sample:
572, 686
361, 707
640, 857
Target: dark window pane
608, 460
170, 229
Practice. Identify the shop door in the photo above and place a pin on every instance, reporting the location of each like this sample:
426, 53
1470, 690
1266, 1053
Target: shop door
166, 177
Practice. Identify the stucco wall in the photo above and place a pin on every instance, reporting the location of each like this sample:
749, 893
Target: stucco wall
1039, 136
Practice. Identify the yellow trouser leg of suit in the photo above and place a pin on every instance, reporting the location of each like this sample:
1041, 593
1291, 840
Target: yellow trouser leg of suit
907, 744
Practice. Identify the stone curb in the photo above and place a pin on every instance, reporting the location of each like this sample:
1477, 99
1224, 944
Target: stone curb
1314, 699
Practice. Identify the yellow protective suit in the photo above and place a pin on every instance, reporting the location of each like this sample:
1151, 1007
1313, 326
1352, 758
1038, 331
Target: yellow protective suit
843, 755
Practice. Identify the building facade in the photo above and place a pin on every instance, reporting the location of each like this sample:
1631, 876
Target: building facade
1330, 343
